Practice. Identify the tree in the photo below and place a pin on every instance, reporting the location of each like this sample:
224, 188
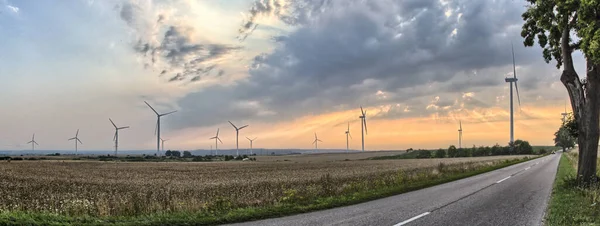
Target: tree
522, 147
175, 153
168, 153
187, 154
452, 152
440, 153
552, 22
423, 154
562, 138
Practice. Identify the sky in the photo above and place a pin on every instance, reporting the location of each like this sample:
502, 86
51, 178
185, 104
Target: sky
287, 68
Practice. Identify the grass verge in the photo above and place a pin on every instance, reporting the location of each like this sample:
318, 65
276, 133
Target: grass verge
570, 205
232, 215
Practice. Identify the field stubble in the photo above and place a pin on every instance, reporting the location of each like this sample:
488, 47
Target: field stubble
132, 189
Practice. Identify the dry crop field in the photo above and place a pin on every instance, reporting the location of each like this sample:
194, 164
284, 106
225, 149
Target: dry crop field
132, 189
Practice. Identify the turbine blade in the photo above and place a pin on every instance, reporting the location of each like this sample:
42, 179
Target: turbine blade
217, 133
315, 136
151, 108
72, 138
36, 143
167, 113
30, 142
33, 137
518, 97
365, 122
115, 137
348, 127
319, 140
513, 55
350, 136
124, 127
314, 141
243, 127
460, 123
220, 140
156, 127
76, 134
212, 138
248, 139
233, 125
111, 121
361, 111
79, 140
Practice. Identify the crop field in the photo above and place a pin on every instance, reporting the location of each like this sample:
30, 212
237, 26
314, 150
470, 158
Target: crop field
104, 189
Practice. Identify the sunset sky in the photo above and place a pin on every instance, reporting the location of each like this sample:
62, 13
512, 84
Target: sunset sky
288, 68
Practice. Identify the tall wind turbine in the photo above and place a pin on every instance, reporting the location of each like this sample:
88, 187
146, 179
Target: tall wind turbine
511, 81
163, 144
348, 134
76, 139
116, 137
363, 126
32, 142
157, 129
316, 142
460, 134
237, 134
216, 144
251, 140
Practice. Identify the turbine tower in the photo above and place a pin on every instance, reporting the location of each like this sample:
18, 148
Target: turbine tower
564, 114
237, 134
348, 135
316, 142
460, 134
216, 144
251, 140
163, 144
157, 129
116, 137
511, 81
76, 139
32, 142
363, 126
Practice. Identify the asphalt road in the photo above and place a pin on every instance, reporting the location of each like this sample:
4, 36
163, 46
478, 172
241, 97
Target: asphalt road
514, 195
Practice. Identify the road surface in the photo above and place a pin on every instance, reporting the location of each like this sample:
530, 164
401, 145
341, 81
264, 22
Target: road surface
514, 195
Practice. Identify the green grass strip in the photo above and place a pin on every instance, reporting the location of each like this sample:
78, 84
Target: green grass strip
240, 214
568, 205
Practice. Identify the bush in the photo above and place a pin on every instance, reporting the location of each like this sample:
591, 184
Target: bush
452, 152
187, 154
423, 154
440, 153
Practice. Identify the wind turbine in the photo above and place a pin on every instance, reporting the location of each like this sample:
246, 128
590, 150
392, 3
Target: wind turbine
363, 126
511, 81
348, 134
32, 142
460, 134
163, 144
237, 134
251, 140
116, 137
216, 144
564, 114
157, 129
76, 139
316, 142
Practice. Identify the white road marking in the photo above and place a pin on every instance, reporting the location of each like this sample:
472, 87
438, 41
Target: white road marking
412, 219
506, 178
527, 168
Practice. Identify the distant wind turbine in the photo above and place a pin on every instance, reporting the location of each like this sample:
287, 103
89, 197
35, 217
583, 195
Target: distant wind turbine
163, 144
511, 81
316, 142
32, 142
157, 129
76, 139
348, 135
564, 114
363, 126
251, 140
460, 134
216, 144
116, 137
237, 134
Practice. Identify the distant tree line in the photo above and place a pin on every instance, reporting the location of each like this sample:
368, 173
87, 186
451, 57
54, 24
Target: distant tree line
520, 147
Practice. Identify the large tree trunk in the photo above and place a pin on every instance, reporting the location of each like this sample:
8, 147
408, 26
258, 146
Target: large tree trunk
585, 104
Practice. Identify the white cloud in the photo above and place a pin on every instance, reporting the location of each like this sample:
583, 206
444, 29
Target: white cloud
13, 8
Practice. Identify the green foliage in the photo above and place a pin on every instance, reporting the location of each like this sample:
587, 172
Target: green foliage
175, 154
187, 154
440, 153
423, 154
168, 153
452, 152
564, 139
522, 148
571, 126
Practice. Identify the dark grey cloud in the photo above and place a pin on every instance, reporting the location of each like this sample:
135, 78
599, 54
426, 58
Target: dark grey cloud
341, 53
128, 12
